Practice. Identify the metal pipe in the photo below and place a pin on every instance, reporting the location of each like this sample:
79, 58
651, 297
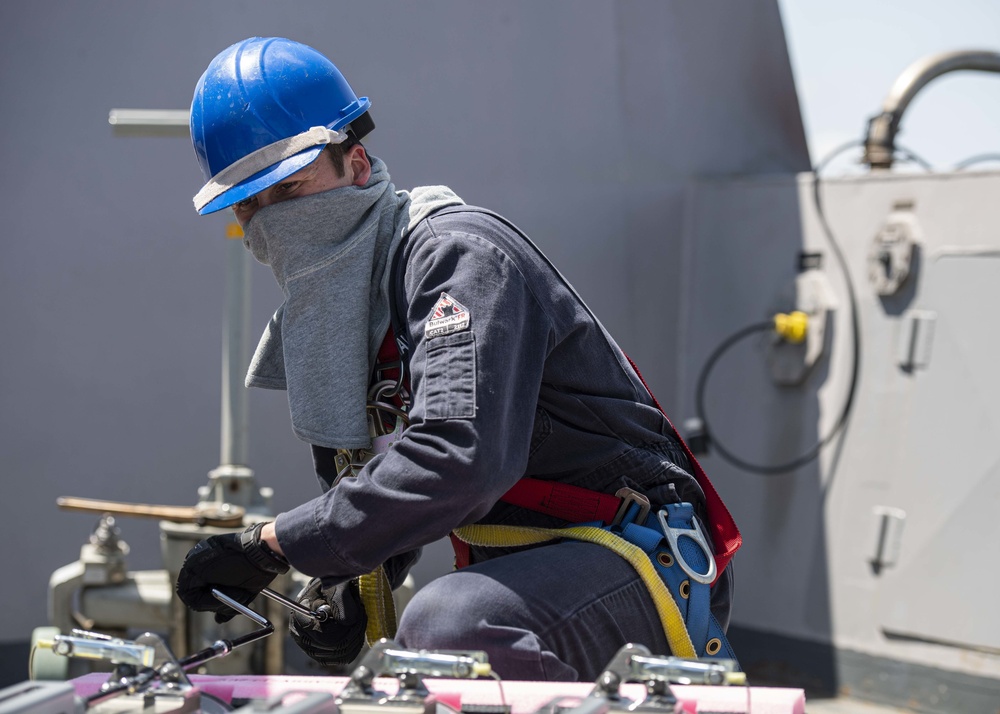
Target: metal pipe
149, 122
234, 446
236, 318
880, 141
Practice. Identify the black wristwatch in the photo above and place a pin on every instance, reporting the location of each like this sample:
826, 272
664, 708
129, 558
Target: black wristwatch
259, 553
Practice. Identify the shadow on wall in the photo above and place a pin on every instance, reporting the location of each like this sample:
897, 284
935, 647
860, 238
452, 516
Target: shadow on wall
744, 248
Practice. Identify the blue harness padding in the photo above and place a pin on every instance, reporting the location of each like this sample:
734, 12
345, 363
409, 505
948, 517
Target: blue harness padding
684, 569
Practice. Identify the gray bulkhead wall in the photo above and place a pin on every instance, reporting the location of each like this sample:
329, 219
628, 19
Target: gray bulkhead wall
869, 548
581, 121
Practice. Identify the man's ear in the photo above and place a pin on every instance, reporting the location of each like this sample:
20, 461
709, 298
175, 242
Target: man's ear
358, 164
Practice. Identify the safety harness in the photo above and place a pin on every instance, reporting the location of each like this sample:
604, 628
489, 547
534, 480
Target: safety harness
667, 547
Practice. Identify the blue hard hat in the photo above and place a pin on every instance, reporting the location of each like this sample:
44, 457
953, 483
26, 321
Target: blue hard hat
261, 91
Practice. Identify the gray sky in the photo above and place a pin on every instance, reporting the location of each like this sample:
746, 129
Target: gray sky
847, 54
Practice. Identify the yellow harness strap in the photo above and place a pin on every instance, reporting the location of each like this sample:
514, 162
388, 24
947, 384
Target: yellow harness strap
373, 588
512, 536
376, 596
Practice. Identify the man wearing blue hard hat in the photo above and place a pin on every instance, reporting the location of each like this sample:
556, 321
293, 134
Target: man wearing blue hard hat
450, 383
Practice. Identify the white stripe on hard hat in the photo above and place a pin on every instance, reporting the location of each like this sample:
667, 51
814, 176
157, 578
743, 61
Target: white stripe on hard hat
262, 158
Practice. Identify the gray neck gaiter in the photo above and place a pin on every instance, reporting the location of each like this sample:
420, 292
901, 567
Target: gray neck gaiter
330, 253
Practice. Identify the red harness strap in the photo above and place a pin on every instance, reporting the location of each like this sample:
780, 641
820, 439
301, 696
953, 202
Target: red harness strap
388, 351
461, 548
725, 535
388, 354
562, 500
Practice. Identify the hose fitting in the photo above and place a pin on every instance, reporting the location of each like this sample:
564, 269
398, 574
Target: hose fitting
792, 326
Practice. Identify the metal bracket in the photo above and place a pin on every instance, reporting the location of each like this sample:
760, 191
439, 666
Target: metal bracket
629, 497
891, 254
387, 659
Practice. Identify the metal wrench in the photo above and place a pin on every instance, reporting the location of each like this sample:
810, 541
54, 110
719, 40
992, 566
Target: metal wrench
320, 615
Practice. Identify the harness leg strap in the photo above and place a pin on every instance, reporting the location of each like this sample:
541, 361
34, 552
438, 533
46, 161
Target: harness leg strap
683, 603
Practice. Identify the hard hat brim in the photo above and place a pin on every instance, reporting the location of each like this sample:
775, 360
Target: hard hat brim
262, 180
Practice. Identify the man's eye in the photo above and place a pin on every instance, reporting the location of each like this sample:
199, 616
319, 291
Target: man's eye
245, 203
287, 187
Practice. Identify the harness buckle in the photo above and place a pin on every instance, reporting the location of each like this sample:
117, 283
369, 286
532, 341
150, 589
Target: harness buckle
392, 386
629, 497
673, 535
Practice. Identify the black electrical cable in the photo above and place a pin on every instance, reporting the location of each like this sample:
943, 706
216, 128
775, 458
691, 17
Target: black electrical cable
699, 395
978, 158
773, 469
910, 156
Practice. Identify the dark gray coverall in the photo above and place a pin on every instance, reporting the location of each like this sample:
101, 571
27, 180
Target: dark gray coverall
532, 386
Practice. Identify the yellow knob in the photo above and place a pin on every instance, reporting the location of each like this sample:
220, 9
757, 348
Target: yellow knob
792, 326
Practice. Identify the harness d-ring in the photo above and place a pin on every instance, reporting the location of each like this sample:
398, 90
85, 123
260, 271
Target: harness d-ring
673, 536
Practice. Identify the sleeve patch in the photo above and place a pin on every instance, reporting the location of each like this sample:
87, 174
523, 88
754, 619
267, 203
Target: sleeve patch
448, 316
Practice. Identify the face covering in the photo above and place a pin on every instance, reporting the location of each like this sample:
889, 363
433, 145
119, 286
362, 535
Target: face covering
329, 253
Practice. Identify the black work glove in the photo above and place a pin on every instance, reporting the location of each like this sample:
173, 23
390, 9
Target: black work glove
337, 639
238, 564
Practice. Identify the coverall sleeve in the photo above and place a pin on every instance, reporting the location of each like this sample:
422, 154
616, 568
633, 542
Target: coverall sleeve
475, 392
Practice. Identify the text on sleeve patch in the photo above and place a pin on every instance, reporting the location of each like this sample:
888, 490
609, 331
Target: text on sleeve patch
448, 316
